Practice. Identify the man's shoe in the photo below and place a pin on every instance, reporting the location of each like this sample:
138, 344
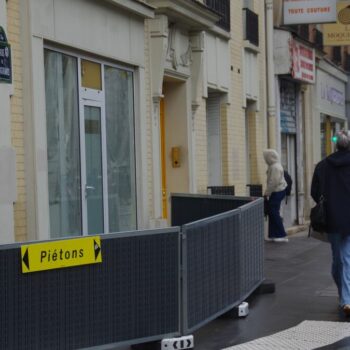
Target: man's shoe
282, 239
346, 310
268, 239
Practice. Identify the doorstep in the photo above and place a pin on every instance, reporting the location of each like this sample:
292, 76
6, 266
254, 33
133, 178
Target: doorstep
295, 229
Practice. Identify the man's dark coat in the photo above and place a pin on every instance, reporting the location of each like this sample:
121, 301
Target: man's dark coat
332, 179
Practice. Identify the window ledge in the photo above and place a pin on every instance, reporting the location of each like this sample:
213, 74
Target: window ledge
192, 14
251, 47
134, 6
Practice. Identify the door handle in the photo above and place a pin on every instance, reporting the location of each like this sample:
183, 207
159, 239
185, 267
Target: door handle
88, 188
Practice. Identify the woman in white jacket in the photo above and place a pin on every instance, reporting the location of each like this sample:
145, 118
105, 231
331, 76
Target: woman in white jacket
275, 192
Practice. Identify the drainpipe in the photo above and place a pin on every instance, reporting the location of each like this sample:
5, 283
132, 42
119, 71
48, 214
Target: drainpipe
271, 100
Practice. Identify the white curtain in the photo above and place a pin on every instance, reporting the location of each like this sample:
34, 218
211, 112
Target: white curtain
120, 149
63, 153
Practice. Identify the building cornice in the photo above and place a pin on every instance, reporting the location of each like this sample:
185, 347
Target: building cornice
136, 7
191, 14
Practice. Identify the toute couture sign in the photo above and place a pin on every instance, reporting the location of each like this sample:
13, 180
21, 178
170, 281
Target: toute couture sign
309, 11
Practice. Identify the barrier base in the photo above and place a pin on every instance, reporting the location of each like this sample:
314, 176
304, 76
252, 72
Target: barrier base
154, 345
267, 287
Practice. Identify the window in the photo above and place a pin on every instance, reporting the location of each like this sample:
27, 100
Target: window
90, 146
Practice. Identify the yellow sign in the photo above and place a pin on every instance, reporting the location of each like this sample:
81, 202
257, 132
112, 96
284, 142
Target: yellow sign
59, 254
338, 34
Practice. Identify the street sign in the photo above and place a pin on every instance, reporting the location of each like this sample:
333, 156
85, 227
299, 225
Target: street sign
60, 254
338, 34
5, 59
181, 343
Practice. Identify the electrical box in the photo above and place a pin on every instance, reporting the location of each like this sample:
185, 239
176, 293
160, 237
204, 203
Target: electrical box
175, 157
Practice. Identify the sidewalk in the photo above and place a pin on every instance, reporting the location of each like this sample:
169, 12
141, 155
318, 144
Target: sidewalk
304, 291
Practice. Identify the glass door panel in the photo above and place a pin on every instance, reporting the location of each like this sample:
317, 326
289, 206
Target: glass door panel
94, 176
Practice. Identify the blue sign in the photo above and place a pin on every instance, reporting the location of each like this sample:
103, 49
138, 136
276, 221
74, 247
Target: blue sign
5, 59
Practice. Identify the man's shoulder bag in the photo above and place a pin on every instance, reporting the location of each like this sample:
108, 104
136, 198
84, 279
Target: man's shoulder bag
318, 216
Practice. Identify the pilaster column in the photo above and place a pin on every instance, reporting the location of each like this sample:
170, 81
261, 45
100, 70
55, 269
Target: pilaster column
158, 51
271, 100
7, 155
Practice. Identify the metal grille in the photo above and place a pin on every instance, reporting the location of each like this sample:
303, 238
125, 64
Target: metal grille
318, 39
251, 27
221, 7
224, 190
132, 295
336, 58
303, 31
255, 190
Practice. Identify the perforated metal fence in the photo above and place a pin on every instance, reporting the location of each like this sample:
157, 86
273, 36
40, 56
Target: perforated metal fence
132, 296
251, 250
222, 261
186, 208
135, 295
211, 266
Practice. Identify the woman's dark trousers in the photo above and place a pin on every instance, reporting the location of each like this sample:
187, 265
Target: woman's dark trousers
276, 228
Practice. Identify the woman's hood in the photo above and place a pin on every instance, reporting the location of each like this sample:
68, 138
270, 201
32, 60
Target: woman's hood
271, 156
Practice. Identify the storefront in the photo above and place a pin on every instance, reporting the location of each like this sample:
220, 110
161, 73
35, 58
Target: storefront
292, 75
330, 112
84, 135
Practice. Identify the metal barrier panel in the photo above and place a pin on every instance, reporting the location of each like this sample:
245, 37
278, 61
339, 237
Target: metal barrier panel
132, 296
251, 242
186, 208
211, 268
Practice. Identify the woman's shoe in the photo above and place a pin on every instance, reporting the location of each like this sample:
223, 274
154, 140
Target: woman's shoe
283, 239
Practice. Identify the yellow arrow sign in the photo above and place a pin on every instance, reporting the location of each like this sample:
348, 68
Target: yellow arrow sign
60, 254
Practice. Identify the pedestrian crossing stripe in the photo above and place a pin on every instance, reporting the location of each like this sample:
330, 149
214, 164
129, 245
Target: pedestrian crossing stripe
305, 336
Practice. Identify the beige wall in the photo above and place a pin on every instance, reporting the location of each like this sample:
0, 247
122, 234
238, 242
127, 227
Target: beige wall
176, 136
233, 115
234, 147
201, 147
17, 121
148, 117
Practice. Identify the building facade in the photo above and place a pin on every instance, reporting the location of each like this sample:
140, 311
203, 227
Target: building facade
119, 104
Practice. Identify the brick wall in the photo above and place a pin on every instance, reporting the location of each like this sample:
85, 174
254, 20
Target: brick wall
17, 121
